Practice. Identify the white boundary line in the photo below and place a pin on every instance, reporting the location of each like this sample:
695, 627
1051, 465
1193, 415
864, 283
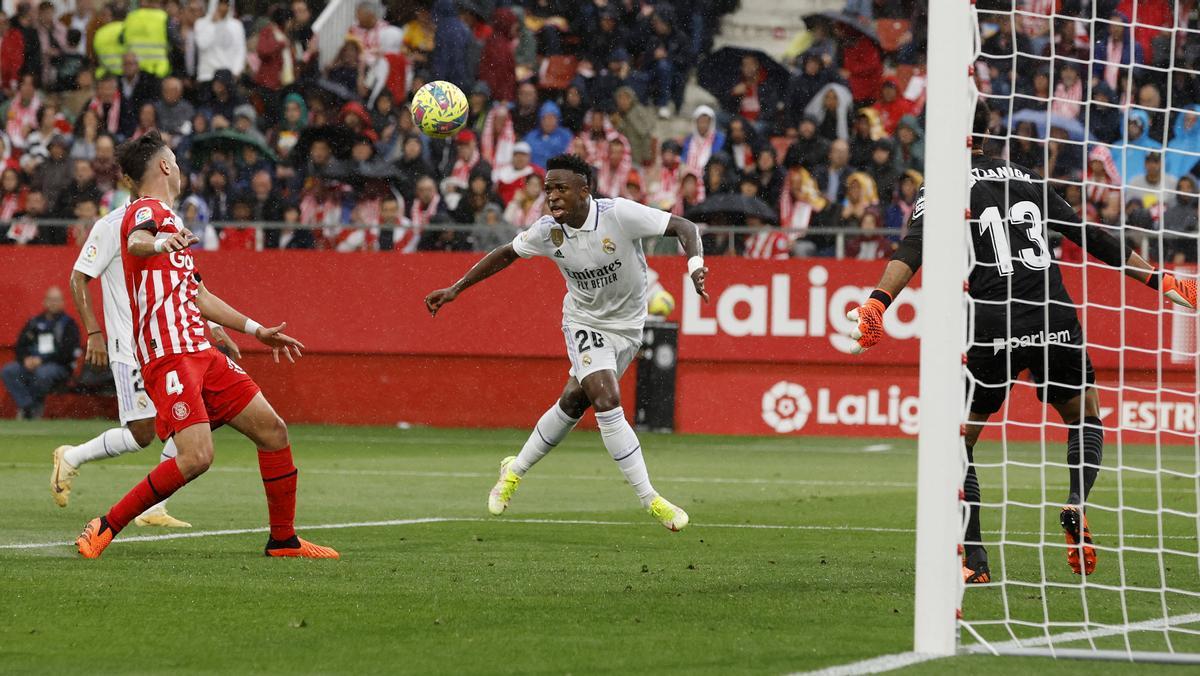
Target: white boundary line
875, 665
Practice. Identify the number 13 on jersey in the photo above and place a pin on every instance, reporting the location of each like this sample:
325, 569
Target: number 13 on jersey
1035, 256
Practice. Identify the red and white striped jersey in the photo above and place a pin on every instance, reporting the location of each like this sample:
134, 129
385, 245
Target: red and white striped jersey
162, 288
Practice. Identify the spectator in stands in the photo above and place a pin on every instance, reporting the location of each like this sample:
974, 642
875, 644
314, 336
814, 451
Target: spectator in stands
147, 35
466, 159
277, 61
525, 117
1114, 52
1152, 187
45, 354
740, 144
882, 170
104, 164
612, 175
1068, 93
12, 54
527, 204
117, 116
368, 30
892, 107
898, 212
861, 195
910, 145
618, 73
549, 139
636, 123
498, 60
21, 112
768, 176
809, 149
831, 177
82, 187
871, 245
1103, 115
173, 111
831, 109
511, 179
50, 123
752, 98
719, 177
704, 141
12, 194
1183, 151
217, 194
604, 34
222, 101
1130, 157
665, 178
220, 42
863, 137
137, 86
450, 60
1182, 218
574, 107
804, 86
53, 174
491, 230
666, 58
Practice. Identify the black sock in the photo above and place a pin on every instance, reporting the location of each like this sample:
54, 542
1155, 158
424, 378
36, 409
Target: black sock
972, 537
1084, 466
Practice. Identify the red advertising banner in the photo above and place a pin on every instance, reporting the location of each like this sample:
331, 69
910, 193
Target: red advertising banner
773, 330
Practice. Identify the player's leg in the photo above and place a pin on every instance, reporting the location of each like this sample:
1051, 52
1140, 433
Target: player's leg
156, 515
1066, 386
975, 562
550, 430
991, 376
259, 422
194, 458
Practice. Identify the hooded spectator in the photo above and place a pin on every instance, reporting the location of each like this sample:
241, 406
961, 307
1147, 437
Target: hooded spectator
809, 149
574, 107
1130, 156
910, 145
768, 176
498, 61
704, 141
1103, 114
1183, 151
831, 109
455, 43
804, 86
751, 97
549, 139
223, 99
496, 141
354, 117
295, 119
525, 115
220, 43
636, 123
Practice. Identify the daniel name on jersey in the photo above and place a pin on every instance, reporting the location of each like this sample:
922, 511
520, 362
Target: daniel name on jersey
162, 289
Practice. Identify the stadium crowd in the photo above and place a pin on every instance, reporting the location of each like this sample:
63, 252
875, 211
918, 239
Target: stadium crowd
831, 138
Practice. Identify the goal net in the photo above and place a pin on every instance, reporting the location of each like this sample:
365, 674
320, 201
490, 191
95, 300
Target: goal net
1104, 102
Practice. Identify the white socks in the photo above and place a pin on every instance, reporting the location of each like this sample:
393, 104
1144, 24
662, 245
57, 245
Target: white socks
624, 447
549, 431
110, 444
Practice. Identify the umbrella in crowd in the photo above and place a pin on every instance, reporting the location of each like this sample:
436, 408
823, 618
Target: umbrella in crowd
1041, 119
228, 141
733, 206
722, 70
849, 21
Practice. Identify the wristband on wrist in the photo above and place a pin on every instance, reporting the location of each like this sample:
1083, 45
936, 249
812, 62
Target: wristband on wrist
213, 325
159, 244
882, 296
251, 327
1154, 279
695, 263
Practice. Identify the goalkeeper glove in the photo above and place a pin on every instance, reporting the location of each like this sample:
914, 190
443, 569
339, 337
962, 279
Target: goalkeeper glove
1180, 292
869, 316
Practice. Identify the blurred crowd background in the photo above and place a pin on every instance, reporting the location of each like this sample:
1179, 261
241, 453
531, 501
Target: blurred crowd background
815, 151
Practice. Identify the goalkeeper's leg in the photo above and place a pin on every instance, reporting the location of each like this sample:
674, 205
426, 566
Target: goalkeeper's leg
975, 562
1085, 452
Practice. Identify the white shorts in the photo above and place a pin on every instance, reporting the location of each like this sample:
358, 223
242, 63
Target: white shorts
591, 350
132, 401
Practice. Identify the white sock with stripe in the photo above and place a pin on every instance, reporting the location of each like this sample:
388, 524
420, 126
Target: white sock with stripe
109, 444
623, 445
549, 432
168, 451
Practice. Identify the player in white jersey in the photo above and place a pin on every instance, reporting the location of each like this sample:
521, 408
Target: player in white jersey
101, 258
597, 245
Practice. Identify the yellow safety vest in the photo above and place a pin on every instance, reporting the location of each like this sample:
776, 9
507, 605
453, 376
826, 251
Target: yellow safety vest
109, 49
146, 36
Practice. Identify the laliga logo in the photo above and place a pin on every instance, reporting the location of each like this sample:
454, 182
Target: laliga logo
770, 311
785, 407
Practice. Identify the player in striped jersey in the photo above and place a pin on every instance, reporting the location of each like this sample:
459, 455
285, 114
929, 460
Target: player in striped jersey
194, 387
100, 257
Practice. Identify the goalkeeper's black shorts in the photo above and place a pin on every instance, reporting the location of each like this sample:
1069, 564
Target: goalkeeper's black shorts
1056, 360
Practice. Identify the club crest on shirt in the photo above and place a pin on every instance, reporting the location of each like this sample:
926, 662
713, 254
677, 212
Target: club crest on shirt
556, 236
609, 246
587, 360
144, 214
180, 410
142, 402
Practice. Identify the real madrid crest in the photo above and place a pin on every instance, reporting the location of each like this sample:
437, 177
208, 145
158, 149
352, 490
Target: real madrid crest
556, 236
609, 246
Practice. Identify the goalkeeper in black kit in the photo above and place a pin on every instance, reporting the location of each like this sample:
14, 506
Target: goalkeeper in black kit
1024, 319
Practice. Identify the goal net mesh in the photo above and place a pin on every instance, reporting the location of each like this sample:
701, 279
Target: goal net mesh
1104, 101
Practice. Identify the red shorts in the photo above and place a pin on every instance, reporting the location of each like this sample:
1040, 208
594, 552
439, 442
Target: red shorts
197, 387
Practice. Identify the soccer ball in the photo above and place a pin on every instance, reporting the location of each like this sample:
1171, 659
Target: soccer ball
439, 109
661, 304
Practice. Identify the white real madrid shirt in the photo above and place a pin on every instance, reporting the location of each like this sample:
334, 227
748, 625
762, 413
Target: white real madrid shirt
602, 262
101, 257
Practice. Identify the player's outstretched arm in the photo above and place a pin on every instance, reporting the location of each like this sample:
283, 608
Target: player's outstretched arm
216, 310
869, 330
498, 259
97, 348
693, 248
143, 244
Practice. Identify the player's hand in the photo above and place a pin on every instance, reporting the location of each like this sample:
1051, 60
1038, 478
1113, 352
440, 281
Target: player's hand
1179, 291
279, 341
221, 338
97, 351
435, 300
869, 331
179, 241
698, 278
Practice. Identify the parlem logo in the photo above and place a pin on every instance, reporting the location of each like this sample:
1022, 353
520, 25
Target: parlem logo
786, 407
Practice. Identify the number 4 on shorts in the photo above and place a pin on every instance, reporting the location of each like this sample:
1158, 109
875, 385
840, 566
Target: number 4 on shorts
173, 384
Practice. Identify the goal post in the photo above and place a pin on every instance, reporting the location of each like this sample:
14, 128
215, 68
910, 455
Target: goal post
1142, 601
941, 456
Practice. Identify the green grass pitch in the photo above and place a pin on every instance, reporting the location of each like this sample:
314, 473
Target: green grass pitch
799, 556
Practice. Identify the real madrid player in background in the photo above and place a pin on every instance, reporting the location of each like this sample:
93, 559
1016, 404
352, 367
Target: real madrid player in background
100, 258
597, 244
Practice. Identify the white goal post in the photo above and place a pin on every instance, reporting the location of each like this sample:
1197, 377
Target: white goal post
1143, 601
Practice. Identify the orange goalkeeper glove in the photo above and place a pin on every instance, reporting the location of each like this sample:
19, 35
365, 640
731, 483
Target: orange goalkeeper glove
869, 316
1181, 292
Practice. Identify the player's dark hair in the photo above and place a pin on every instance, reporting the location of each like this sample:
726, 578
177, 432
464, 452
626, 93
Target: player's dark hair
134, 156
983, 119
572, 163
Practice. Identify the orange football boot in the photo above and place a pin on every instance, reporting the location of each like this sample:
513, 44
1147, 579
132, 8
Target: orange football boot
295, 546
975, 568
95, 537
1075, 530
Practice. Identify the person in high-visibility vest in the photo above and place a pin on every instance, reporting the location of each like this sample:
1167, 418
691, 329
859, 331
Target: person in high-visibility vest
109, 45
146, 36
